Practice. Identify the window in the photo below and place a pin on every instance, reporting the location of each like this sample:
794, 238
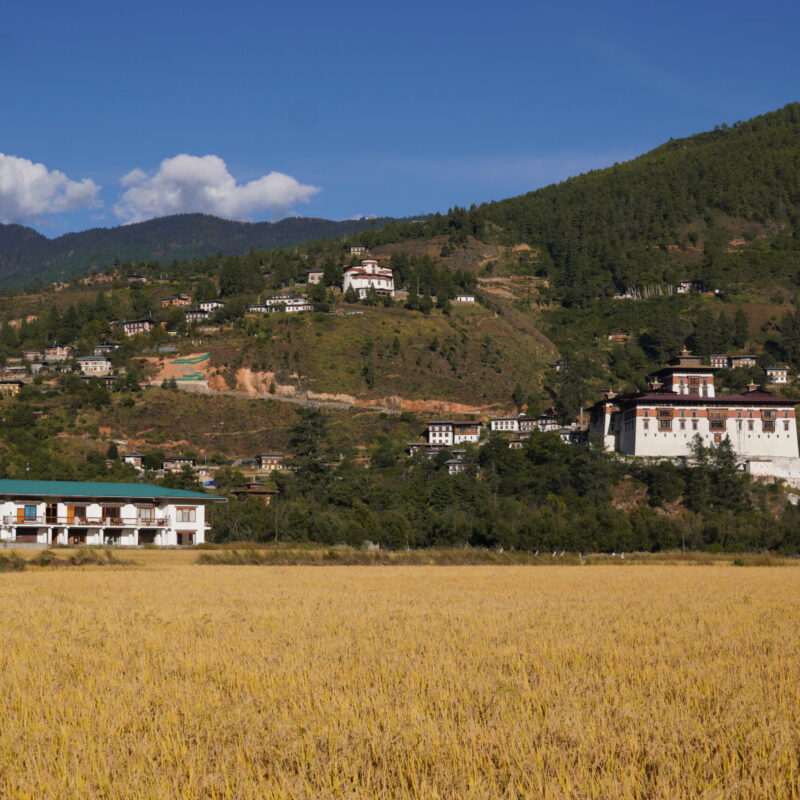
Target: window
187, 515
30, 512
146, 513
647, 424
665, 424
786, 425
683, 424
749, 424
112, 513
716, 419
694, 424
768, 425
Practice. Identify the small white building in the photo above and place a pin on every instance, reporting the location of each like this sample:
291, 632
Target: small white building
369, 275
57, 353
742, 361
269, 462
356, 249
719, 361
290, 303
133, 327
524, 424
448, 433
197, 315
104, 349
779, 374
464, 298
135, 460
211, 305
315, 276
126, 514
94, 365
177, 463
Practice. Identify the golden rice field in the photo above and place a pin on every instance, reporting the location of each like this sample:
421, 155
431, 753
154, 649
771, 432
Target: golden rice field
171, 680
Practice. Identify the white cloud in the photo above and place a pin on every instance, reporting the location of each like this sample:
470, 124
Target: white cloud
193, 184
28, 190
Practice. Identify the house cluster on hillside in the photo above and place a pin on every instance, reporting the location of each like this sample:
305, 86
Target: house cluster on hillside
256, 469
56, 360
681, 404
449, 434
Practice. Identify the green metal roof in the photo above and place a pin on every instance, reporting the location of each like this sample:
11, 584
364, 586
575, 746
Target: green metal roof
98, 489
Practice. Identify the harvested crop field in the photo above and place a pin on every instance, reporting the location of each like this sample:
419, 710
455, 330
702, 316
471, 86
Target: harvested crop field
172, 680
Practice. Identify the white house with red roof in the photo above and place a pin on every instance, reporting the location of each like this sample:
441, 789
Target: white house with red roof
369, 275
682, 404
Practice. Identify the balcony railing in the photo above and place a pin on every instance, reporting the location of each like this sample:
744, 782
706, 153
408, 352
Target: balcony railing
89, 522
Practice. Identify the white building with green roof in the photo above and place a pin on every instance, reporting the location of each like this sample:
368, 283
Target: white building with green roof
125, 514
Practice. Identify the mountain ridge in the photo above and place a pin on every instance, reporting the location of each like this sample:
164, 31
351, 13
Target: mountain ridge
27, 256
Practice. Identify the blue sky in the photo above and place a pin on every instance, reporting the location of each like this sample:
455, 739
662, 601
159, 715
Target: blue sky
360, 108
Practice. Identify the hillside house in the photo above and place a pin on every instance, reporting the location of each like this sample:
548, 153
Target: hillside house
176, 300
315, 276
778, 374
177, 463
257, 490
524, 424
105, 349
618, 338
134, 327
10, 387
94, 365
269, 462
369, 275
211, 305
448, 433
681, 404
464, 298
33, 355
742, 361
126, 514
357, 249
687, 287
15, 370
136, 460
719, 361
57, 353
289, 303
197, 315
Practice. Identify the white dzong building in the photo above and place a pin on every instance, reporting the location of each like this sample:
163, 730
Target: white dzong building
682, 404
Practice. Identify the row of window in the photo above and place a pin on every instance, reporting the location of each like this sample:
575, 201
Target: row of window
716, 425
721, 413
29, 512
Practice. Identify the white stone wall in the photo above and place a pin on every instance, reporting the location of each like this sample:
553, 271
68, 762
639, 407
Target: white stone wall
640, 436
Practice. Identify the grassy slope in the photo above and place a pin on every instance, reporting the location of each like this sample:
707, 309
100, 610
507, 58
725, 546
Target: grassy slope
474, 356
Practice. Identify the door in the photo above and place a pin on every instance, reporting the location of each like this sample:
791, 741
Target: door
70, 515
51, 513
20, 515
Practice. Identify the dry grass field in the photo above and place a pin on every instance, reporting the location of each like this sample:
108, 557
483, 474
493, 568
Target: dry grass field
171, 680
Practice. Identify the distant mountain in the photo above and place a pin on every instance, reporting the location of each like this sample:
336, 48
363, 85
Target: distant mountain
27, 257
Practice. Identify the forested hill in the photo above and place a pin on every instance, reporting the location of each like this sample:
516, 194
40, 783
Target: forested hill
26, 256
683, 210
